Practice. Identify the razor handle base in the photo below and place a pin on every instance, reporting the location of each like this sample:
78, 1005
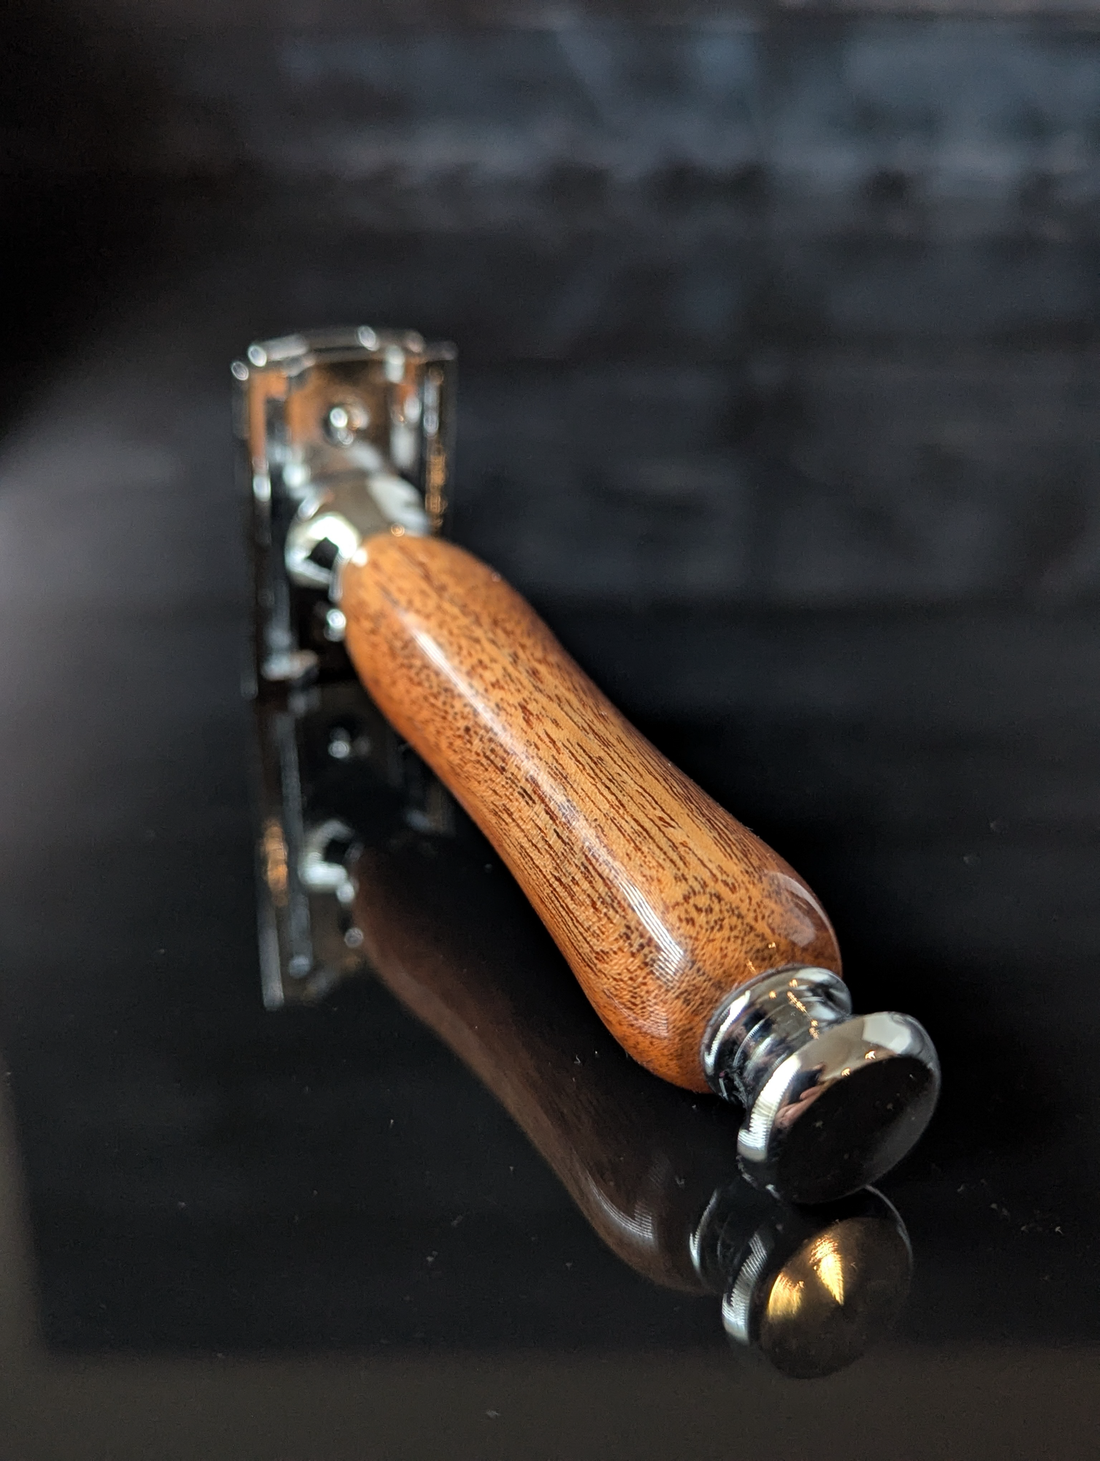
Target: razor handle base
661, 902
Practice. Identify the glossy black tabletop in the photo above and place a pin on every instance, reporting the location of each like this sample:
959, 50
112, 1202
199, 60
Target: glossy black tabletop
811, 489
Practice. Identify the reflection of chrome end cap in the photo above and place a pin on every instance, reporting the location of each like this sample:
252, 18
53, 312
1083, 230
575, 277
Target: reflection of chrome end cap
832, 1101
814, 1292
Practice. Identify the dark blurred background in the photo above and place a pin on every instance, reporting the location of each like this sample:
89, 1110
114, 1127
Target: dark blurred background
778, 335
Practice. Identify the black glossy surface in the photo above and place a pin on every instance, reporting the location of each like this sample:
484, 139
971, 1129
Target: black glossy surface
808, 481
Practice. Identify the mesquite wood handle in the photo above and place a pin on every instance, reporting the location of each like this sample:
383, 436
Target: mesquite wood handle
660, 901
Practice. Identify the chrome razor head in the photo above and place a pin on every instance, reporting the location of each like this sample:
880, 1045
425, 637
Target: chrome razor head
344, 433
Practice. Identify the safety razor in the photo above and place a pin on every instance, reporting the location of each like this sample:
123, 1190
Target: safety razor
381, 645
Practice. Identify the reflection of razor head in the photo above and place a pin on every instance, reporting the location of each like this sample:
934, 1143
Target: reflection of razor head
346, 434
331, 772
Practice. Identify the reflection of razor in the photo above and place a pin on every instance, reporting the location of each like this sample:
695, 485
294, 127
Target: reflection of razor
651, 1167
705, 955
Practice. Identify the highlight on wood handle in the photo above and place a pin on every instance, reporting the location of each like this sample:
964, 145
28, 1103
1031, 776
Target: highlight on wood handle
662, 903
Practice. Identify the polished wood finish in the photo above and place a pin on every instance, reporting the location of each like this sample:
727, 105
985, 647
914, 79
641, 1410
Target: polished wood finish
660, 901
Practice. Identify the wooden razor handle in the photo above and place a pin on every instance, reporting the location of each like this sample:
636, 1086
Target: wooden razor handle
660, 901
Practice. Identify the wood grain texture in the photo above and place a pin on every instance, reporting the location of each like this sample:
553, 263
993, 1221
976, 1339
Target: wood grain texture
660, 901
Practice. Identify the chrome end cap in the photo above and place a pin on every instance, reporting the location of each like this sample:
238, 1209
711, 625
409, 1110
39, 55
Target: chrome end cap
842, 1109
